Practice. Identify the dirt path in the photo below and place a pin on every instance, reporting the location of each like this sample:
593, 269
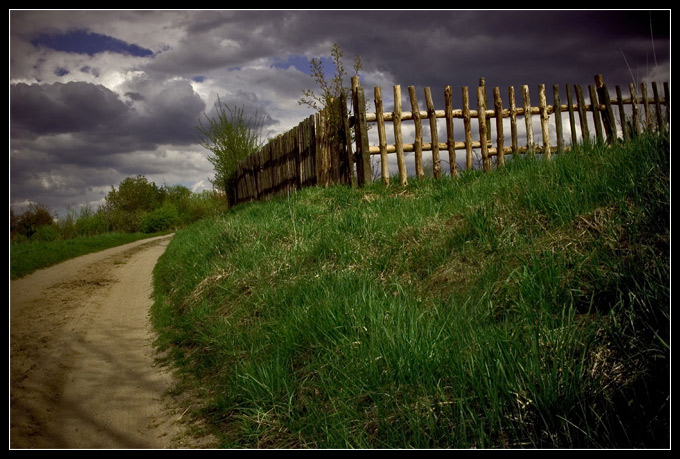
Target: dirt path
83, 371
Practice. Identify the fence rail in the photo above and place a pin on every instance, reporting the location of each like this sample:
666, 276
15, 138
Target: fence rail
319, 151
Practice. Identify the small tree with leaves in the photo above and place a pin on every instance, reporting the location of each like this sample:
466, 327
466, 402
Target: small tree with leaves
330, 90
230, 136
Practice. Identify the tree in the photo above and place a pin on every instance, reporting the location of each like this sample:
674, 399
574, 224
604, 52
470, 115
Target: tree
134, 194
230, 136
126, 206
332, 89
28, 222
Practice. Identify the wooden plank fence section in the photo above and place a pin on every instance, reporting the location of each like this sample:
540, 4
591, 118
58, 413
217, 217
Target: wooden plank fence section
319, 151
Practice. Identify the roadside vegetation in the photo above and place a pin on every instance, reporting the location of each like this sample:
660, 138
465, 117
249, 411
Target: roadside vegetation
136, 209
524, 308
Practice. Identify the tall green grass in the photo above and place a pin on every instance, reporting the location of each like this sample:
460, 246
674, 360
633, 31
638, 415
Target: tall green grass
528, 307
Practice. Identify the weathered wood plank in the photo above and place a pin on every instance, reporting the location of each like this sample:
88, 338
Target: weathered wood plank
527, 117
513, 119
434, 135
401, 163
467, 127
382, 141
481, 118
450, 142
557, 110
418, 139
543, 112
582, 114
500, 137
595, 108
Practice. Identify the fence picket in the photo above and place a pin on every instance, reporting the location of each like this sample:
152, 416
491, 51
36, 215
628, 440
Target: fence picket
513, 119
585, 131
384, 167
572, 118
450, 142
500, 137
527, 117
468, 128
396, 120
418, 140
481, 119
557, 110
595, 108
543, 112
434, 136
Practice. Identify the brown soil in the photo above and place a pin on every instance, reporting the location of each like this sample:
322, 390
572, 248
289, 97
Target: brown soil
83, 370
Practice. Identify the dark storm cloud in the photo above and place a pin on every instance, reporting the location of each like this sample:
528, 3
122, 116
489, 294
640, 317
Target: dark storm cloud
94, 111
231, 39
172, 115
60, 131
506, 47
64, 108
85, 42
433, 48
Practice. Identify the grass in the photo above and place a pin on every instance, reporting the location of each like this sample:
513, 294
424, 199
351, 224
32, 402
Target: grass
30, 256
525, 308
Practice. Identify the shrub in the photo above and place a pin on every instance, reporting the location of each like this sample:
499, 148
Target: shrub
46, 233
28, 222
91, 224
160, 219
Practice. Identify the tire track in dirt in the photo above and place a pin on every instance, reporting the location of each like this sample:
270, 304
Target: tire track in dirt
83, 370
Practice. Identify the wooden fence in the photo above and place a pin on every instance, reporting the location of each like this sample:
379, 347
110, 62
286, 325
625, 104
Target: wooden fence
315, 152
319, 151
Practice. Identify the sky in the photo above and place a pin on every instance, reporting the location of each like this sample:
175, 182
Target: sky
100, 95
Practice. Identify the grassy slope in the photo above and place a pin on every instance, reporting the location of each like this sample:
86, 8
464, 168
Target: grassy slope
528, 307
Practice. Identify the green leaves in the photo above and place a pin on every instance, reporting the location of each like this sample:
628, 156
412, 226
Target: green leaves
230, 135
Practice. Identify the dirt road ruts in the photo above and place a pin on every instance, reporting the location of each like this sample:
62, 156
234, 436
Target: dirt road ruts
83, 371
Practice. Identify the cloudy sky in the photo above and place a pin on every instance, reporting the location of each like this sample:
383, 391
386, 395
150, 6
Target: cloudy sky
98, 96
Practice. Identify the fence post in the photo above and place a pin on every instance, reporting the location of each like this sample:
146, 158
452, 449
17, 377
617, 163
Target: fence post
557, 110
572, 120
467, 127
585, 131
608, 120
622, 113
396, 120
527, 118
513, 119
363, 154
500, 136
450, 143
543, 107
487, 119
310, 143
380, 118
434, 136
481, 118
595, 107
347, 162
418, 141
657, 104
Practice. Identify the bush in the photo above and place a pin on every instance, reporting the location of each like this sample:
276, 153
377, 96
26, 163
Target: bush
91, 224
46, 233
27, 223
160, 219
203, 205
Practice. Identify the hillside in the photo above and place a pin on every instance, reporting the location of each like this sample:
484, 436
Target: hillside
527, 307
